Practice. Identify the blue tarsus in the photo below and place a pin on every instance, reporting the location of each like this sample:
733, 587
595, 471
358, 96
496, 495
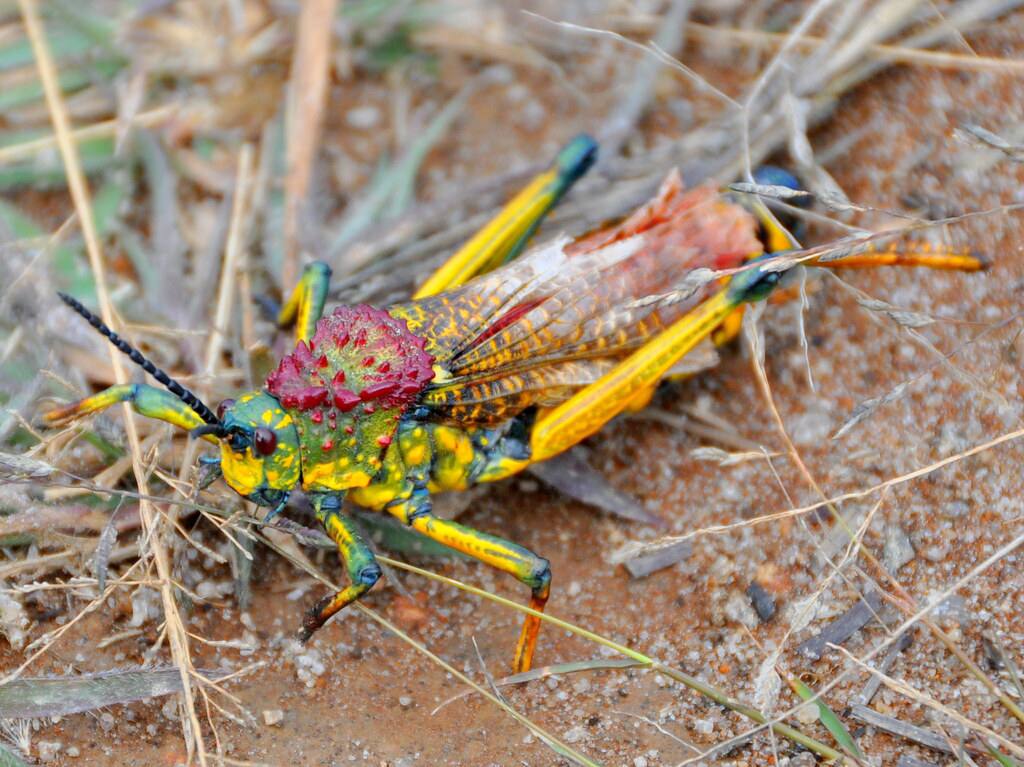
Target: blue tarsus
277, 509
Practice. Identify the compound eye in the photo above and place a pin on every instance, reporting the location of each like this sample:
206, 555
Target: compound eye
264, 441
239, 441
224, 407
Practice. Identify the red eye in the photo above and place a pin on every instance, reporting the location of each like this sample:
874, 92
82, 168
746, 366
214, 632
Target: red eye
223, 408
264, 441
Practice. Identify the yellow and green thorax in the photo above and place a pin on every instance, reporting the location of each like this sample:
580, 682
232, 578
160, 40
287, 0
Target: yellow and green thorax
346, 390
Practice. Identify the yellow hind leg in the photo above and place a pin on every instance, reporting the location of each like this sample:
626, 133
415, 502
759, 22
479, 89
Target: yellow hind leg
305, 306
504, 236
511, 558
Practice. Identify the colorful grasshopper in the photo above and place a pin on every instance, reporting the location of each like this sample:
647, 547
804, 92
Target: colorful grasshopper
387, 405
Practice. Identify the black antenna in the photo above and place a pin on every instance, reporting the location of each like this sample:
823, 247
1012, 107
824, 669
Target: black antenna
123, 346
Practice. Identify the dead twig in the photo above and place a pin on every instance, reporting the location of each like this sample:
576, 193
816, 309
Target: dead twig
306, 101
80, 195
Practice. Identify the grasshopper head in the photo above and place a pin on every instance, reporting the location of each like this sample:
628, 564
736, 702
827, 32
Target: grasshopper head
259, 449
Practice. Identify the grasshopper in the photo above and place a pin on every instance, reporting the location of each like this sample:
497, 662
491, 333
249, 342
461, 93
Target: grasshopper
498, 361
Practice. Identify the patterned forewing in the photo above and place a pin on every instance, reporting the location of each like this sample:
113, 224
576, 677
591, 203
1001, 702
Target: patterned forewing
537, 330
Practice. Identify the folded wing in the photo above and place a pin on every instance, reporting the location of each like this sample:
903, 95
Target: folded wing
540, 328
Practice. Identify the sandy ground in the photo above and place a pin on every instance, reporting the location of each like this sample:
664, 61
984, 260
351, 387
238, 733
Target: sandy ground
357, 695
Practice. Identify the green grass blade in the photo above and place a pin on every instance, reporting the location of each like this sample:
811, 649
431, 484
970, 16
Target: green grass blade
97, 155
70, 80
393, 189
64, 43
828, 717
107, 205
1000, 757
8, 757
72, 275
97, 28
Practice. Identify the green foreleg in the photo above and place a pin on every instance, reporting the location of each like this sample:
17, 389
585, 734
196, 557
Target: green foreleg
362, 567
145, 400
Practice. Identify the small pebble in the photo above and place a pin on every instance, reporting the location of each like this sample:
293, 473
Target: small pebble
48, 750
737, 609
807, 714
531, 115
106, 721
955, 509
704, 726
73, 752
363, 118
640, 761
805, 759
898, 550
763, 602
169, 710
576, 734
273, 716
405, 701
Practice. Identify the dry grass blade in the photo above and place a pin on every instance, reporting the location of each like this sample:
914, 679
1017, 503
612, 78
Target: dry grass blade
895, 637
902, 729
988, 562
29, 149
800, 511
905, 689
641, 89
556, 744
894, 54
307, 97
544, 672
34, 698
80, 194
392, 185
232, 256
572, 475
15, 467
651, 49
987, 138
10, 759
1002, 657
865, 696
